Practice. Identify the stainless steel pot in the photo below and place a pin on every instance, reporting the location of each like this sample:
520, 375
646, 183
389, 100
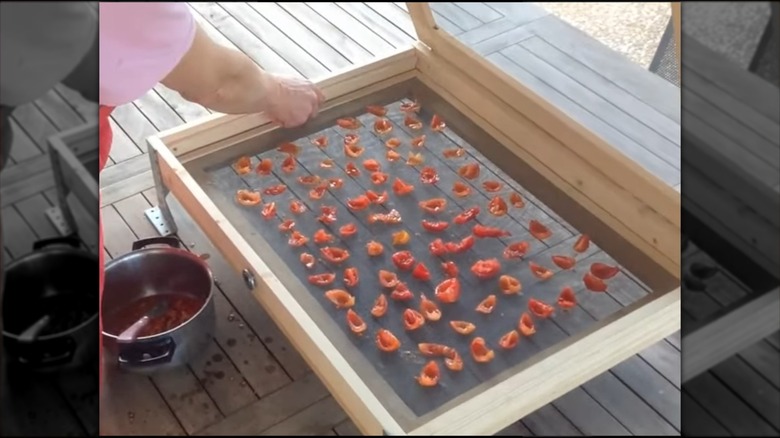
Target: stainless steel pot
145, 272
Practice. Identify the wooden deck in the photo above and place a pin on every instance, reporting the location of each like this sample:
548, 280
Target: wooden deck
252, 381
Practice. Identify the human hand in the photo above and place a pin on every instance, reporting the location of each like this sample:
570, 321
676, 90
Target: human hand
292, 101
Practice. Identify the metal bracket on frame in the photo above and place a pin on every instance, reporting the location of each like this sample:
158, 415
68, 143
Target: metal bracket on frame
160, 215
61, 216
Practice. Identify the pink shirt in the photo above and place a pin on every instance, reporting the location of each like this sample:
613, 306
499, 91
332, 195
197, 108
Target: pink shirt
140, 43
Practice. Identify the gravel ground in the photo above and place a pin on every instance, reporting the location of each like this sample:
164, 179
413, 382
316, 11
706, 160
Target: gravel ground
632, 29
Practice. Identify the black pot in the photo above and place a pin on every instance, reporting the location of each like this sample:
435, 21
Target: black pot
59, 279
146, 273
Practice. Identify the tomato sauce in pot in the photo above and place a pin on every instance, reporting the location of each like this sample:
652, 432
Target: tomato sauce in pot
181, 308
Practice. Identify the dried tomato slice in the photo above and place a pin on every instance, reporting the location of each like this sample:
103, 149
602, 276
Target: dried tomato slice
297, 239
485, 269
382, 126
582, 244
377, 110
307, 260
297, 207
435, 226
412, 122
564, 262
430, 349
429, 175
469, 171
539, 230
603, 271
434, 205
497, 206
526, 325
264, 167
288, 148
487, 305
377, 198
401, 293
393, 217
401, 238
334, 255
353, 150
386, 341
492, 186
248, 198
358, 203
351, 139
269, 211
340, 298
415, 159
325, 279
480, 351
372, 165
320, 142
379, 178
289, 164
392, 143
403, 260
350, 123
309, 180
392, 156
322, 237
453, 361
467, 215
437, 123
356, 323
413, 319
352, 170
463, 327
275, 190
509, 340
438, 248
593, 283
460, 189
516, 250
450, 269
348, 230
454, 153
374, 248
318, 192
243, 165
566, 299
287, 225
419, 141
539, 271
462, 246
351, 276
484, 231
400, 187
388, 278
410, 107
380, 306
328, 214
540, 308
448, 291
327, 163
429, 375
429, 309
509, 285
516, 200
421, 272
335, 183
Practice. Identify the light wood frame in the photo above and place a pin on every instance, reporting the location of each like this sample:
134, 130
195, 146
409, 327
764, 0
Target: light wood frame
639, 213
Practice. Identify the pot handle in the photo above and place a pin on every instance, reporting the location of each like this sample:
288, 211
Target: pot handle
67, 240
38, 360
147, 354
143, 243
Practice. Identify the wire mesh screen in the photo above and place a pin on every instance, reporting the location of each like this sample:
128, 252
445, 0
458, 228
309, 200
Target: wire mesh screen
664, 63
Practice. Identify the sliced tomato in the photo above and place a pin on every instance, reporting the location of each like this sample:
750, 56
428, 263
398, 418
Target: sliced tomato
433, 205
393, 217
461, 246
516, 250
429, 309
509, 340
287, 225
309, 180
435, 226
380, 306
539, 230
377, 198
418, 142
265, 167
379, 178
448, 291
469, 171
412, 122
492, 186
322, 237
421, 272
582, 243
248, 198
340, 298
461, 189
603, 271
307, 260
516, 200
335, 183
526, 325
454, 153
334, 255
356, 323
275, 190
540, 271
415, 159
593, 283
289, 164
564, 262
392, 156
377, 110
243, 165
566, 299
401, 293
400, 187
484, 231
382, 126
288, 148
429, 175
374, 248
388, 278
437, 123
351, 276
463, 327
348, 230
320, 142
327, 163
413, 319
392, 143
410, 107
509, 285
372, 165
358, 203
401, 238
318, 192
467, 215
540, 308
497, 206
386, 341
325, 279
430, 349
350, 123
403, 260
453, 361
480, 351
437, 248
487, 305
352, 170
351, 139
328, 214
269, 211
429, 375
485, 269
450, 269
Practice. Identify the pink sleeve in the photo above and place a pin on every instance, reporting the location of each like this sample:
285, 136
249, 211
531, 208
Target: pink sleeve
140, 43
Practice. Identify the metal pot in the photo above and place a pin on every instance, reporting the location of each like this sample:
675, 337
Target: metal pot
146, 272
57, 279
